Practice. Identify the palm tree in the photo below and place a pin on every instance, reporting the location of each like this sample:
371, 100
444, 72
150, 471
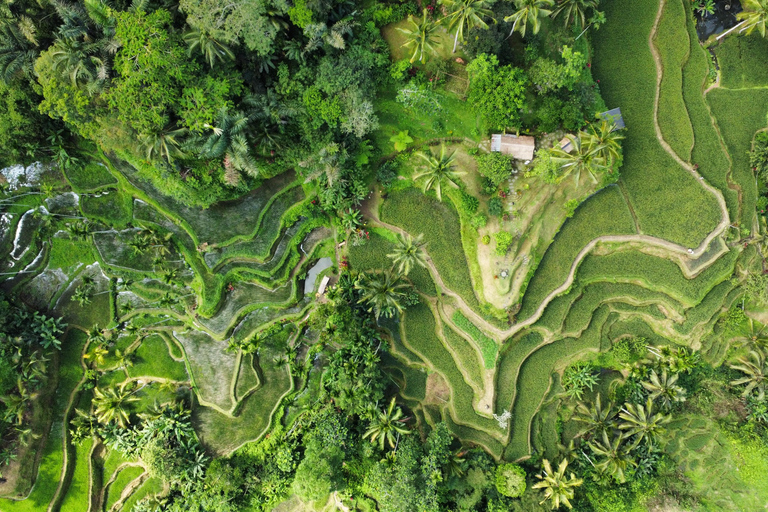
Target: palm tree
110, 404
582, 157
467, 14
604, 141
643, 422
753, 16
438, 170
79, 60
664, 388
207, 45
165, 143
382, 292
616, 458
596, 419
124, 359
327, 161
17, 54
529, 12
333, 36
558, 489
97, 356
755, 368
420, 36
575, 11
407, 252
387, 426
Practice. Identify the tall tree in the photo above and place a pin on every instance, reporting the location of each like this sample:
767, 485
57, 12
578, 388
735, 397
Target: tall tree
466, 14
408, 251
382, 292
558, 489
208, 45
605, 141
643, 422
438, 171
583, 156
420, 36
754, 366
387, 426
110, 404
753, 16
664, 388
529, 13
574, 11
616, 459
596, 418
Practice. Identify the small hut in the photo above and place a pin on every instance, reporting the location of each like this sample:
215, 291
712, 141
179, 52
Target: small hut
518, 147
613, 116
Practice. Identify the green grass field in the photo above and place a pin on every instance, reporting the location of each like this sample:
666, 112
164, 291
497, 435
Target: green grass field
667, 200
114, 208
89, 177
487, 346
742, 61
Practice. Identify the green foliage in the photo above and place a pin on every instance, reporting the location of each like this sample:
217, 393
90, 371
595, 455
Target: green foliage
494, 166
549, 75
401, 140
486, 239
419, 98
510, 480
577, 378
739, 59
545, 167
469, 203
570, 207
629, 349
498, 92
503, 240
495, 206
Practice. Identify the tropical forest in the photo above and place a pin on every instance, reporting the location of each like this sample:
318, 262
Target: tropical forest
383, 255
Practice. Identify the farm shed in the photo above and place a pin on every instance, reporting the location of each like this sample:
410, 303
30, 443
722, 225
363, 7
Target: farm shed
519, 147
613, 115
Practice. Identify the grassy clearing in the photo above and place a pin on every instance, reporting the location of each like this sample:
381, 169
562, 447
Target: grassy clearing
67, 254
659, 274
417, 213
605, 213
466, 356
211, 365
509, 365
223, 434
534, 378
739, 115
150, 487
487, 345
707, 152
114, 208
421, 337
126, 476
153, 360
373, 256
672, 43
77, 497
742, 61
668, 201
92, 176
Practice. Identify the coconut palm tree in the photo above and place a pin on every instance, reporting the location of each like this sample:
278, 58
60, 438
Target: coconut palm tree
466, 14
124, 359
207, 45
574, 11
755, 369
382, 292
753, 16
17, 54
604, 141
643, 422
664, 388
558, 489
165, 143
407, 252
331, 35
616, 457
439, 170
97, 356
110, 404
529, 12
80, 61
582, 157
596, 418
420, 36
387, 426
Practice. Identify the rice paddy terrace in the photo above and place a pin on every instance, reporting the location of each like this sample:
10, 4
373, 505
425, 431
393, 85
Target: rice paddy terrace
660, 254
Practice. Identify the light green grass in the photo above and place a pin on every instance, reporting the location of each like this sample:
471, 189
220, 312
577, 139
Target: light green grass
150, 487
487, 345
89, 177
668, 200
672, 44
77, 497
114, 208
439, 222
467, 357
605, 213
126, 476
66, 254
512, 357
153, 360
742, 61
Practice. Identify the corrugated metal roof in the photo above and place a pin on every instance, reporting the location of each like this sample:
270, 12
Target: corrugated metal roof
521, 147
613, 115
